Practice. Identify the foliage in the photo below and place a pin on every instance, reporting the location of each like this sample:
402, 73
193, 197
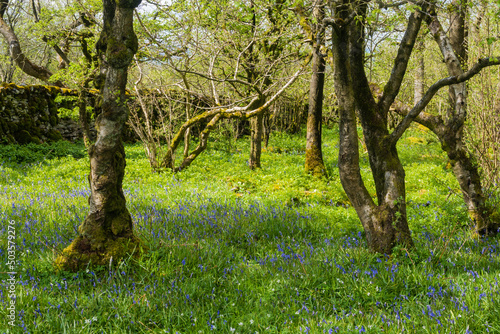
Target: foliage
38, 153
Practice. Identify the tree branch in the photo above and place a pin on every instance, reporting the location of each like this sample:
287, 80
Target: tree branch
415, 111
17, 54
392, 87
245, 112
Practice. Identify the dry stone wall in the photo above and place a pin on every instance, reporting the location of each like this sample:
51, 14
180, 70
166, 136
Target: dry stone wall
29, 114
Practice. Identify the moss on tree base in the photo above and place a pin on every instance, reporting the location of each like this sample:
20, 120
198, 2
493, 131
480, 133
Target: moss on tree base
314, 162
79, 254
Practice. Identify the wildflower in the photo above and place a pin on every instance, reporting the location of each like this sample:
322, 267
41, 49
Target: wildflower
251, 321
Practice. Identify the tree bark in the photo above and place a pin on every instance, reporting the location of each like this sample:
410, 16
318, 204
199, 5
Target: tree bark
107, 234
419, 82
314, 157
84, 117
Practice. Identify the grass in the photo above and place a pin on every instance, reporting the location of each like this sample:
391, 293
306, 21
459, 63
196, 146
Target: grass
269, 251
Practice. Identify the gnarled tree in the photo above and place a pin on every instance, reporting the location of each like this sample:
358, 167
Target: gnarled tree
107, 232
450, 128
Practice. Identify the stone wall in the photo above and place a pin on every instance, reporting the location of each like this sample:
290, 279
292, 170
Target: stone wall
29, 114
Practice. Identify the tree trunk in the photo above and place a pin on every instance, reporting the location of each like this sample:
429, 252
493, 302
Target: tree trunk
314, 156
419, 81
84, 117
106, 234
467, 175
256, 140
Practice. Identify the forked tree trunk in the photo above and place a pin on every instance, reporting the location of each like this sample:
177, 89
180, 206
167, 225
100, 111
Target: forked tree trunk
106, 235
385, 223
314, 157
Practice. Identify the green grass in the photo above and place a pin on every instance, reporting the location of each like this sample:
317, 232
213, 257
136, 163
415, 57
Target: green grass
234, 250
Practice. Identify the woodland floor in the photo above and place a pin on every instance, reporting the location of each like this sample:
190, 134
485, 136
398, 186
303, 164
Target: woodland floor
234, 250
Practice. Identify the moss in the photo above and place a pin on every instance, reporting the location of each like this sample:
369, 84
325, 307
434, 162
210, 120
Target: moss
314, 162
54, 135
36, 131
79, 254
12, 127
131, 4
23, 137
93, 232
120, 52
495, 216
120, 224
36, 140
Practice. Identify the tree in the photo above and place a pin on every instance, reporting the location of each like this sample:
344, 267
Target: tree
314, 156
450, 128
384, 222
270, 49
107, 232
237, 60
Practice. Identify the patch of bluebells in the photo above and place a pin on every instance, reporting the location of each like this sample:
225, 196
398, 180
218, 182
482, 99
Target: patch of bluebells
218, 257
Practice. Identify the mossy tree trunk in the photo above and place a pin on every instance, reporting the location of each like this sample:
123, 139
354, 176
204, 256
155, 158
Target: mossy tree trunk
314, 157
107, 232
84, 117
